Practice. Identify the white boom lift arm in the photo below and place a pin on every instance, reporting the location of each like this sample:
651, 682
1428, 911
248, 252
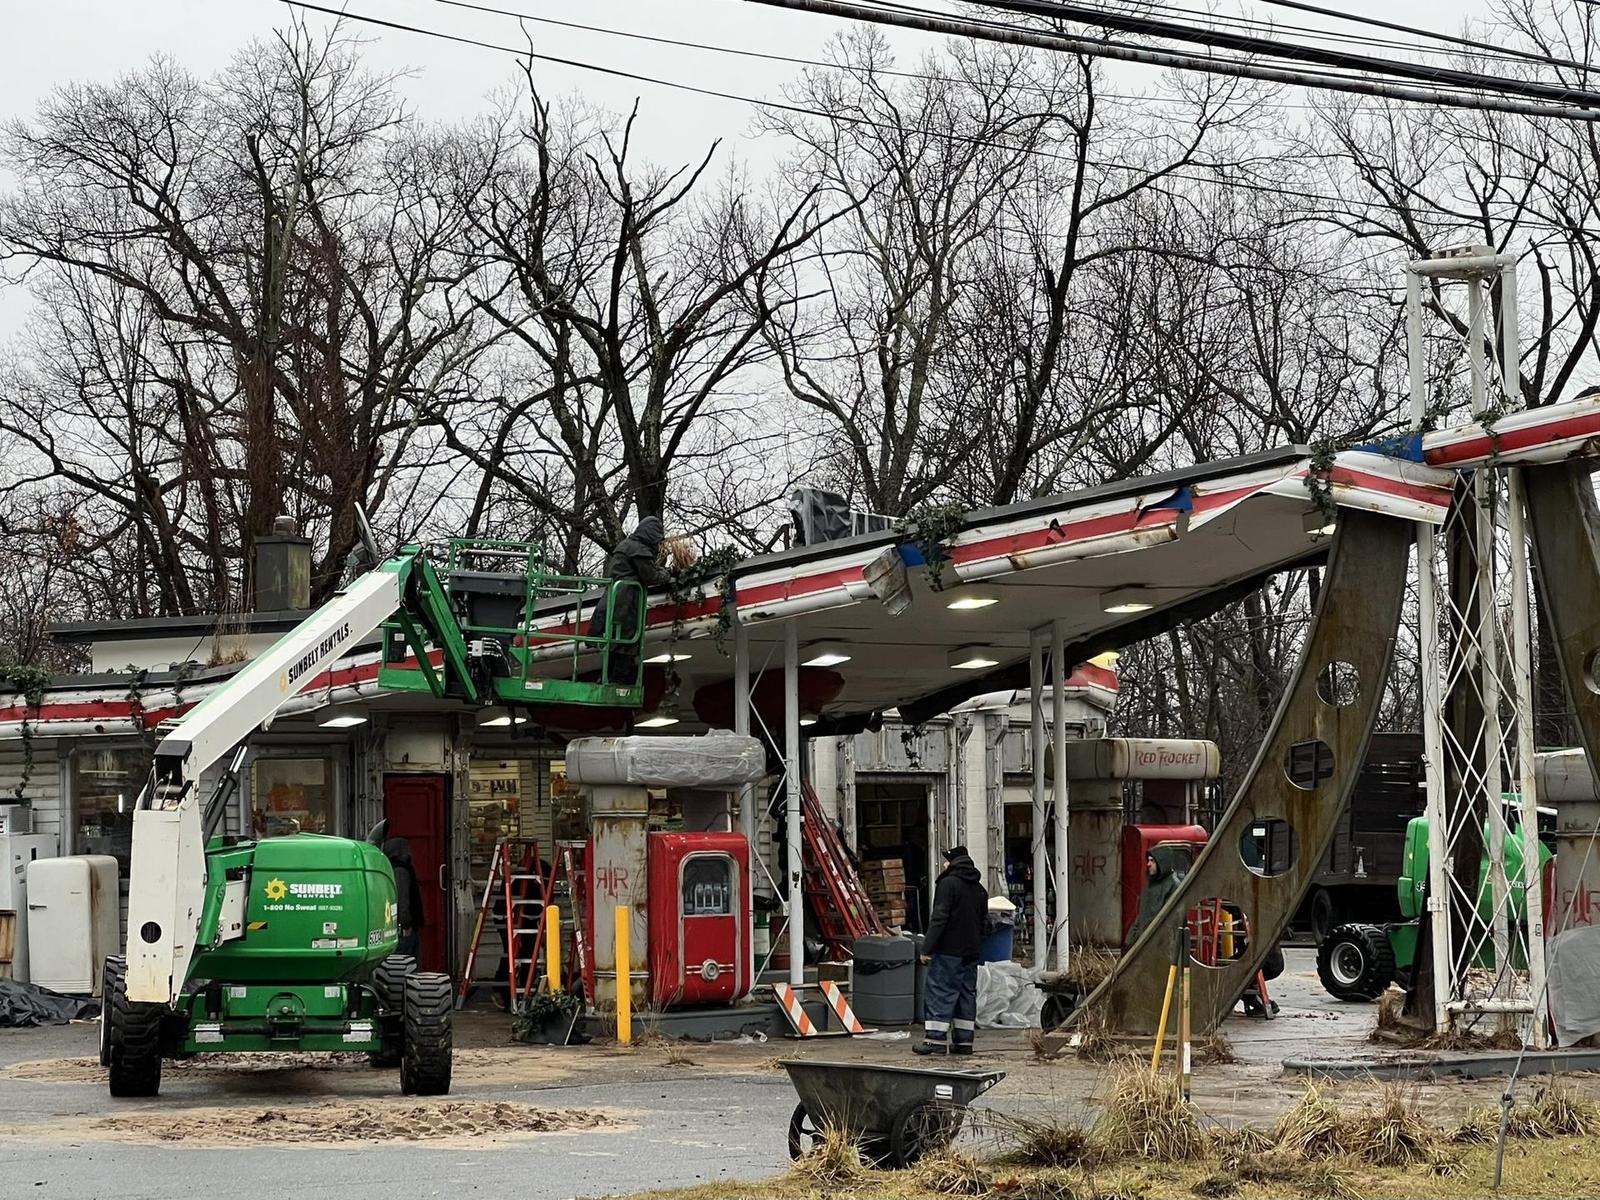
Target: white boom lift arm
167, 876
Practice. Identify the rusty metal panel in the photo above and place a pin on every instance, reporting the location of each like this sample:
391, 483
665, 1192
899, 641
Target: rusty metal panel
1094, 886
619, 818
1356, 622
1565, 533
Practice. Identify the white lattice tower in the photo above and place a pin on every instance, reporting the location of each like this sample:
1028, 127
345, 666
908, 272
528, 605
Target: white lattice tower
1475, 644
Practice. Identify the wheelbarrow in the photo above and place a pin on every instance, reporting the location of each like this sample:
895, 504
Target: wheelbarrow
897, 1114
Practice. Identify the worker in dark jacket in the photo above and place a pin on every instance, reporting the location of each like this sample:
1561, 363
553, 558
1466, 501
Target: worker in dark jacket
636, 557
408, 895
951, 950
1163, 874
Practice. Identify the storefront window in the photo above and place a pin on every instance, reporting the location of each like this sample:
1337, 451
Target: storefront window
292, 795
496, 803
105, 788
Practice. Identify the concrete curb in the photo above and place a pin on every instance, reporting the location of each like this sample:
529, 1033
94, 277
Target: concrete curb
1436, 1066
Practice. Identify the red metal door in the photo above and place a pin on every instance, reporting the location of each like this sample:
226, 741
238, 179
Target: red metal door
414, 806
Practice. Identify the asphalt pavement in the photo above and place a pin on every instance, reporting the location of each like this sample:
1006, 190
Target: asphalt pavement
674, 1125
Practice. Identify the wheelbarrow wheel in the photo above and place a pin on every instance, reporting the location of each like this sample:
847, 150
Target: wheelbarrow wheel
922, 1128
803, 1133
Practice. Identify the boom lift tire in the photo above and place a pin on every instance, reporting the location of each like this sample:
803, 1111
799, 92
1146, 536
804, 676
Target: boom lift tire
133, 1043
388, 983
1356, 962
425, 1061
112, 975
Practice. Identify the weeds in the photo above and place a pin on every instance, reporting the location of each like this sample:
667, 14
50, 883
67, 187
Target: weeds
836, 1160
1395, 1133
1312, 1128
1147, 1117
1046, 1143
678, 1056
952, 1174
1214, 1051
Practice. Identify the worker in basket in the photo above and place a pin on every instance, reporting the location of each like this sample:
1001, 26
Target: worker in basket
636, 557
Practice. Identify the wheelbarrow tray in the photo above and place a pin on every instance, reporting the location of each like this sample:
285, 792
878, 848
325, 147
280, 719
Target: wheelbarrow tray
897, 1112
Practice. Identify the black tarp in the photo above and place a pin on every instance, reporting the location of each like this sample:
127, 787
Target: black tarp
24, 1004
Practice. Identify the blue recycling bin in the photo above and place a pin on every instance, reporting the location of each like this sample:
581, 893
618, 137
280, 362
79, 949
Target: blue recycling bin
997, 938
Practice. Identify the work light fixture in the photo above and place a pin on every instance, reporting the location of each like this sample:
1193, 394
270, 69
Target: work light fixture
972, 658
667, 656
970, 597
1126, 600
824, 654
505, 718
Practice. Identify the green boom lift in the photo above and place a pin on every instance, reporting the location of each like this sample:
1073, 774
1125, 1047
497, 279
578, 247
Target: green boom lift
287, 943
1358, 962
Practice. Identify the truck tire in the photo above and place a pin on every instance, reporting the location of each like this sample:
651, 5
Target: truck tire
1324, 917
112, 977
425, 1061
1356, 962
388, 984
132, 1043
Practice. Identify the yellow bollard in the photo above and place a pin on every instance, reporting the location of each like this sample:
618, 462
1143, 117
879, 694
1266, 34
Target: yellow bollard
552, 947
624, 978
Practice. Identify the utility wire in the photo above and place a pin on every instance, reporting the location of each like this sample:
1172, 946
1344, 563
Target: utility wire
927, 22
825, 64
1317, 55
1452, 39
1198, 173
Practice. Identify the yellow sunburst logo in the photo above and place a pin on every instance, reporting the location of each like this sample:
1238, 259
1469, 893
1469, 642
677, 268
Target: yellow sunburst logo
277, 889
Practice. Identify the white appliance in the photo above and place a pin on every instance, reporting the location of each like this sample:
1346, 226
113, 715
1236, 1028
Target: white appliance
17, 851
73, 918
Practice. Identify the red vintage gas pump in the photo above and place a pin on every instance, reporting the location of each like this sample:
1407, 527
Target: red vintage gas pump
699, 918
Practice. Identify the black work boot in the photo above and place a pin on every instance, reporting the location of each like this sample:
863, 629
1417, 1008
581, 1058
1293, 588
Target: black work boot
962, 1048
927, 1048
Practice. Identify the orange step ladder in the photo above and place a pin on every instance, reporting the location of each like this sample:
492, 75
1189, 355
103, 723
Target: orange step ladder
833, 890
521, 892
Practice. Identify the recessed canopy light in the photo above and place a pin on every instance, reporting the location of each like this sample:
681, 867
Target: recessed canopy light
1126, 600
824, 654
665, 657
965, 599
808, 720
655, 721
342, 721
972, 658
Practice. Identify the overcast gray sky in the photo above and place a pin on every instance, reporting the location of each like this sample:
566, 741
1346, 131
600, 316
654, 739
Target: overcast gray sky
60, 40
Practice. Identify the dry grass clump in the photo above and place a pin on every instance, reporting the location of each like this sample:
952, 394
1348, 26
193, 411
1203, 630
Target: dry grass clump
949, 1173
1214, 1051
1394, 1133
1279, 1170
1039, 1045
1245, 1141
1216, 1185
1146, 1117
836, 1160
1036, 1187
1313, 1127
1090, 967
1046, 1143
1095, 1042
678, 1055
1555, 1110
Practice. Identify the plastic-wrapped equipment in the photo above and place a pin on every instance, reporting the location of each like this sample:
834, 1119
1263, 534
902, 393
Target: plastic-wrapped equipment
715, 759
1007, 996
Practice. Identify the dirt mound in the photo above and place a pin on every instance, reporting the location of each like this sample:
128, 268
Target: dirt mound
256, 1071
366, 1121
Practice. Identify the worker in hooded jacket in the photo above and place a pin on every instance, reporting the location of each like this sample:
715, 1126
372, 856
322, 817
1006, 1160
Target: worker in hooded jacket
1162, 876
951, 950
635, 557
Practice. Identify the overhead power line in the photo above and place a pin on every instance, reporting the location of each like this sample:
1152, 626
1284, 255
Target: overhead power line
1244, 43
1452, 39
905, 17
1192, 172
